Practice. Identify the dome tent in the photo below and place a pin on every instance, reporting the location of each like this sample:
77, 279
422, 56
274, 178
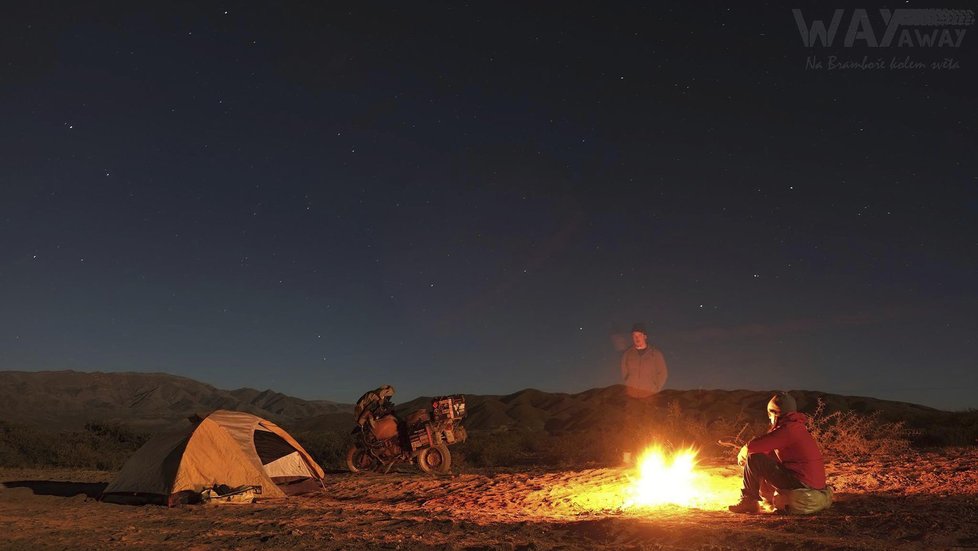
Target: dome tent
229, 448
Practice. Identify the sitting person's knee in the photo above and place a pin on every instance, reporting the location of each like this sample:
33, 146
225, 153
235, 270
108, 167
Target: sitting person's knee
756, 459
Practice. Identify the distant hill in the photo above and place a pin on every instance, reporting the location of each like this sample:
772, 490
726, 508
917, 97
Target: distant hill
69, 399
148, 401
602, 407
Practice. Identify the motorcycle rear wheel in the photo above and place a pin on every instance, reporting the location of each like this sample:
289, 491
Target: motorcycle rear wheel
436, 459
359, 460
460, 434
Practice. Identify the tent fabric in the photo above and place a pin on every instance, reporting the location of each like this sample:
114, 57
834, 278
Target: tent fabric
219, 450
208, 462
270, 447
152, 469
287, 466
244, 426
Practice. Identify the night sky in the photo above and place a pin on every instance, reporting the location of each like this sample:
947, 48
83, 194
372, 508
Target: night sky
446, 198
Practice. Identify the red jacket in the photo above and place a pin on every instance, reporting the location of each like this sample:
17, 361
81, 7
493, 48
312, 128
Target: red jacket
795, 448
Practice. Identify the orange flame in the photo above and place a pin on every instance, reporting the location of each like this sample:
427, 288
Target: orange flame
676, 479
665, 480
660, 479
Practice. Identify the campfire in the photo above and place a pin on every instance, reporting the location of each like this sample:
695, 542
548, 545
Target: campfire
663, 479
660, 479
676, 478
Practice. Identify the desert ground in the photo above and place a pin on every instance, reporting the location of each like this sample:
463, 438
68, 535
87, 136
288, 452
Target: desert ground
925, 501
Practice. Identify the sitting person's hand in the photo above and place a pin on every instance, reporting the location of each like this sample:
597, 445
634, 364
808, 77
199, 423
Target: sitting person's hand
742, 456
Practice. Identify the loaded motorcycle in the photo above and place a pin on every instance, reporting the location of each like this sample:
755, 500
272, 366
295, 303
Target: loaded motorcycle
381, 440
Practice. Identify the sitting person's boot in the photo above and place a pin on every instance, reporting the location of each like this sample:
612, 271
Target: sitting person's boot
747, 506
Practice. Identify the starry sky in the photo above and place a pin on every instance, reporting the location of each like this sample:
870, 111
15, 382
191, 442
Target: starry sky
322, 198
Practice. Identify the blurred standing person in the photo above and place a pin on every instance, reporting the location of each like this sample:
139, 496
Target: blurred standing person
643, 367
644, 372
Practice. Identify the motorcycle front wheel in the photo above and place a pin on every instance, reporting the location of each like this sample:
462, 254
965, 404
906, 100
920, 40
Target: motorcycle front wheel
359, 460
436, 459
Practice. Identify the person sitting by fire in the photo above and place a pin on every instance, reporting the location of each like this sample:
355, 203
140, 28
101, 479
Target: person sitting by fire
787, 457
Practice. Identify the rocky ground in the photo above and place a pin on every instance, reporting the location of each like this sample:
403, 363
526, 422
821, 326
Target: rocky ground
927, 501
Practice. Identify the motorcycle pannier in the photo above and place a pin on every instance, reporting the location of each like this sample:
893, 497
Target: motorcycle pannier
449, 407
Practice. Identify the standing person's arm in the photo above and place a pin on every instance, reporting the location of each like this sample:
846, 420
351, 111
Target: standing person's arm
624, 367
660, 372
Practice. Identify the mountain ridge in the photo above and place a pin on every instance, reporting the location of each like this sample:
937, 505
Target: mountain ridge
149, 401
69, 399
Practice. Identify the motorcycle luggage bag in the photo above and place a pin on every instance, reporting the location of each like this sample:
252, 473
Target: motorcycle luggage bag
370, 402
384, 428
